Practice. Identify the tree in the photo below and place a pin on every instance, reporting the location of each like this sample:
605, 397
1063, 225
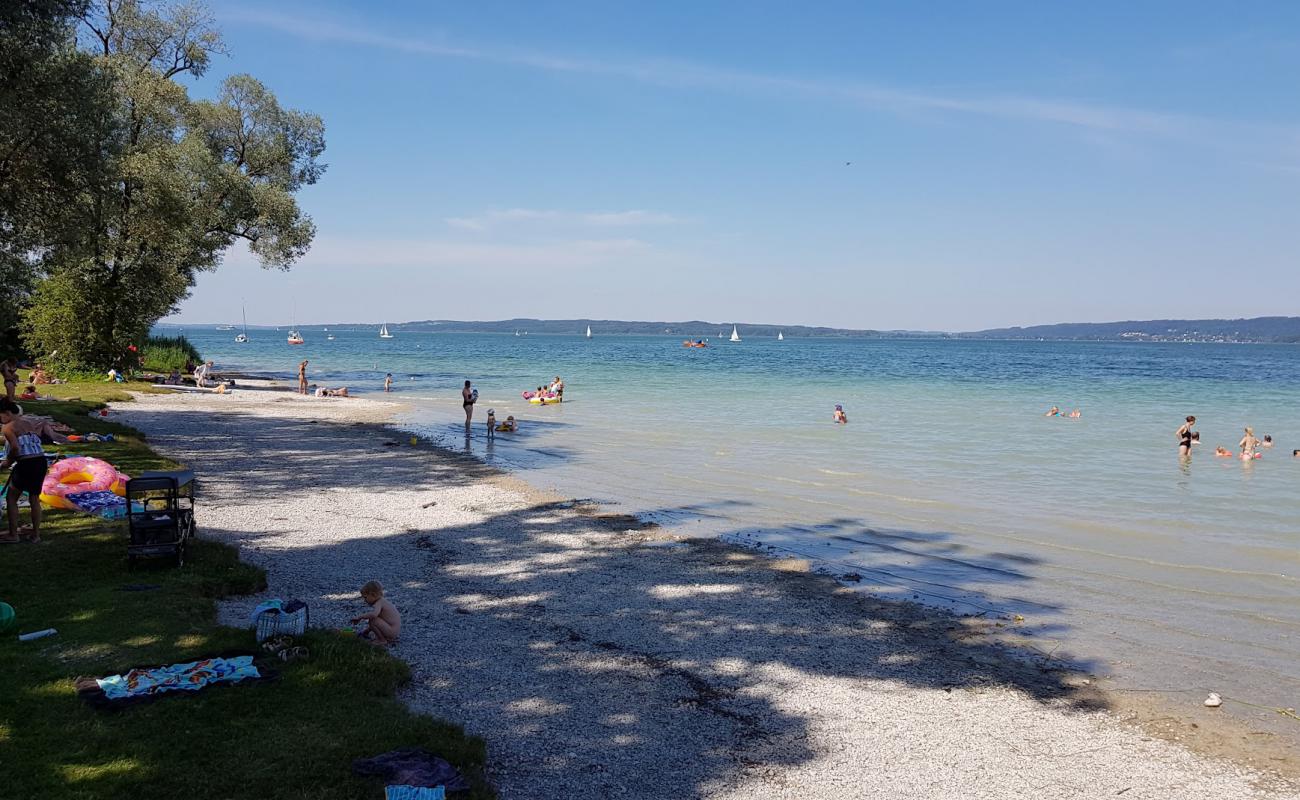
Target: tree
187, 179
53, 104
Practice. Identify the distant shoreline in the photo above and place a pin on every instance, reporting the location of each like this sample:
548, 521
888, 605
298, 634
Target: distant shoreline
1258, 330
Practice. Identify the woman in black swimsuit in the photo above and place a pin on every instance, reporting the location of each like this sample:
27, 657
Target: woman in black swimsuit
10, 372
1185, 437
468, 397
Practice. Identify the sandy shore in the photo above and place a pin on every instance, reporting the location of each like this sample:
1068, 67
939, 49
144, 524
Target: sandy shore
599, 661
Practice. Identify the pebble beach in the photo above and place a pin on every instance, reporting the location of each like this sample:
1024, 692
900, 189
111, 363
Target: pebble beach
600, 657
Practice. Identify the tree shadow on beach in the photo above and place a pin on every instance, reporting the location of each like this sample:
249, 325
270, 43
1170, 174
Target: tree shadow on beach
592, 659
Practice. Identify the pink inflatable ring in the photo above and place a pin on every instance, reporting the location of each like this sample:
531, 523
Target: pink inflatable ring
77, 475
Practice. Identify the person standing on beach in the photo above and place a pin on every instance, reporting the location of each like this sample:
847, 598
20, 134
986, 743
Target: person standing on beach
302, 377
1185, 437
10, 372
468, 397
24, 453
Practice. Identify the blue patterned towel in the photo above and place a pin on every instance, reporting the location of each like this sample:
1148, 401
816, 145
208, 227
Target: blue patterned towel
401, 792
178, 677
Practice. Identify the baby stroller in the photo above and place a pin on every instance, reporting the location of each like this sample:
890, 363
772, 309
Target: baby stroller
160, 515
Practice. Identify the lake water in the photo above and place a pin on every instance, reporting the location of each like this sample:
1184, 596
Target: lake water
948, 485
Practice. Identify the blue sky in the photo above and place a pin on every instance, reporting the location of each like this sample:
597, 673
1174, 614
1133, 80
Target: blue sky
945, 166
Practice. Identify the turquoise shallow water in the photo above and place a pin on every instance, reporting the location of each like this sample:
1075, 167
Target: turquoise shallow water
947, 486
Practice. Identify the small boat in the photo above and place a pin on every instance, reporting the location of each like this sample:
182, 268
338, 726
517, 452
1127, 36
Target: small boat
383, 332
696, 343
588, 331
735, 334
243, 336
225, 327
780, 337
329, 338
516, 333
295, 337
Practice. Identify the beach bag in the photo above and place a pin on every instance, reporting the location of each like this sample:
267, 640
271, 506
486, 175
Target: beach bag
291, 620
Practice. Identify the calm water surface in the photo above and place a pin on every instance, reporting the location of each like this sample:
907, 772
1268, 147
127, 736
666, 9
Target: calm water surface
947, 485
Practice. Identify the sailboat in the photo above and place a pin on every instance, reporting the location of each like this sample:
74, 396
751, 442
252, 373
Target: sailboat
735, 334
383, 332
588, 331
243, 336
780, 337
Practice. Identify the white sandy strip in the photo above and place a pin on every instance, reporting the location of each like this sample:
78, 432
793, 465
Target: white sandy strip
596, 666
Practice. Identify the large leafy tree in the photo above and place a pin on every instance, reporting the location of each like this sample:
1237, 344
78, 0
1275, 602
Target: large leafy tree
187, 180
54, 106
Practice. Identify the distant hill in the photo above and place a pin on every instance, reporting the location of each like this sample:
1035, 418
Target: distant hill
1258, 329
691, 328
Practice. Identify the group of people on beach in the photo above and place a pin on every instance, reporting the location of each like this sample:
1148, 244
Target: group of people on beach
319, 391
1249, 448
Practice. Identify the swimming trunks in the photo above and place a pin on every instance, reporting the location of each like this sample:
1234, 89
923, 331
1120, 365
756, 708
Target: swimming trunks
29, 475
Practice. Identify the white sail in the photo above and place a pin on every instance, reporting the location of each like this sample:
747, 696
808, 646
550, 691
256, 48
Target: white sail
735, 334
383, 332
588, 331
780, 337
243, 336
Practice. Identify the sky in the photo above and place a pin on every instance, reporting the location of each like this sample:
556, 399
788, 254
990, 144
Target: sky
936, 166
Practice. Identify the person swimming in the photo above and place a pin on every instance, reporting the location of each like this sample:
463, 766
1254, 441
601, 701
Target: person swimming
1076, 414
1268, 441
840, 416
1054, 411
1222, 452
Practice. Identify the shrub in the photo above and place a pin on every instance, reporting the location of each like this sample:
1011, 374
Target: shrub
165, 353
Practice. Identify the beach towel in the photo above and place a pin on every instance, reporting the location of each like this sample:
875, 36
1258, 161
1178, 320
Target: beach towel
230, 668
411, 766
189, 677
101, 504
402, 792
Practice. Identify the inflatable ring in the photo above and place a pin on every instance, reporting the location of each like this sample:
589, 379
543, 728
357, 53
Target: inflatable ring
77, 475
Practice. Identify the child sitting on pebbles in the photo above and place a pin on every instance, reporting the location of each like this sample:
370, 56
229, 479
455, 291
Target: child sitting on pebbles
383, 623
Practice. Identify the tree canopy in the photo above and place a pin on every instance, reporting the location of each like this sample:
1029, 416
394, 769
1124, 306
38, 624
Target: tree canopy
168, 182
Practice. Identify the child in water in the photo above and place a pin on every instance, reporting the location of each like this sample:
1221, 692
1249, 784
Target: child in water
840, 418
510, 425
383, 623
1222, 452
492, 424
1054, 411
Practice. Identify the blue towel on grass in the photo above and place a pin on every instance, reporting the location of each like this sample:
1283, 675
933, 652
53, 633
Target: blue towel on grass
402, 792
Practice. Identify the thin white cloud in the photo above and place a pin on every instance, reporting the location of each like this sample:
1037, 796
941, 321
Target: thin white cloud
498, 218
694, 75
378, 254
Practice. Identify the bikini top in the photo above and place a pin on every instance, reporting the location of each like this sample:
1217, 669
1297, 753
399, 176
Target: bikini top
29, 446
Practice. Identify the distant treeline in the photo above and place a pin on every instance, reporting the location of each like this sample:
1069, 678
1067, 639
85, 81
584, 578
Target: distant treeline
694, 329
1258, 329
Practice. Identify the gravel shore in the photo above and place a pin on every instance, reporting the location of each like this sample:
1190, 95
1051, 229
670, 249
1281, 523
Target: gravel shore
599, 661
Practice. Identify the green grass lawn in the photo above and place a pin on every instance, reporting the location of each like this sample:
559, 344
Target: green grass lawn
291, 738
